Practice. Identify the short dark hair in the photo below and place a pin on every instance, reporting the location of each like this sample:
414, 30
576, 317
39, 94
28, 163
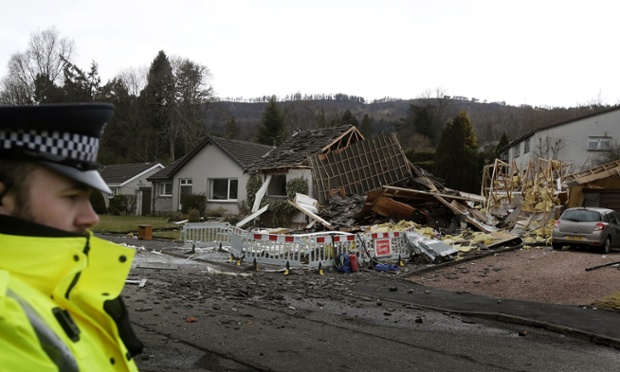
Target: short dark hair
14, 175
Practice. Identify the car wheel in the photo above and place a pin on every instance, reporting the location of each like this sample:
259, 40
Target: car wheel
606, 246
556, 246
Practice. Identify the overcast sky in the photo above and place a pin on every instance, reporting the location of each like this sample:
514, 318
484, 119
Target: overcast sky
535, 52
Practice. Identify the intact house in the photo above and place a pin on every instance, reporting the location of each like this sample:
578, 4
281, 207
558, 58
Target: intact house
131, 179
216, 168
577, 142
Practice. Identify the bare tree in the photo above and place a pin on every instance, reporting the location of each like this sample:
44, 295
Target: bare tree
134, 79
192, 95
549, 147
46, 57
607, 156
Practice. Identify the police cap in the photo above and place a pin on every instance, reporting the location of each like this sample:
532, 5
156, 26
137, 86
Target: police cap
62, 137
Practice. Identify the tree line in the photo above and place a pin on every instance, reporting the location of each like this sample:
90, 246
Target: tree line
159, 113
163, 112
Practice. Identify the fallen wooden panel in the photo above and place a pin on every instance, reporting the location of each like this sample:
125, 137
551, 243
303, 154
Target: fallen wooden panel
462, 211
502, 237
252, 216
413, 194
260, 193
312, 215
389, 207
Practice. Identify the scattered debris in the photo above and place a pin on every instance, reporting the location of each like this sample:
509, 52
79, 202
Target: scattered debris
603, 265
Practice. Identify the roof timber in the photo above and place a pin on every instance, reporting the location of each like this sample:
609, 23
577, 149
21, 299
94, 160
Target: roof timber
360, 167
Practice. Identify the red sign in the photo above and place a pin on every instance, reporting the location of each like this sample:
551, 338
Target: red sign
383, 247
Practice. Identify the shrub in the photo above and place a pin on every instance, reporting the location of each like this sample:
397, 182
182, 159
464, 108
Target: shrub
194, 215
281, 213
122, 204
194, 201
218, 212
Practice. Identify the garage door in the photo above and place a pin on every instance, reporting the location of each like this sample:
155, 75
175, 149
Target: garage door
605, 198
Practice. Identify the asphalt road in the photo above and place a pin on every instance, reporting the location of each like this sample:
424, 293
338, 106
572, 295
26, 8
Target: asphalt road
199, 316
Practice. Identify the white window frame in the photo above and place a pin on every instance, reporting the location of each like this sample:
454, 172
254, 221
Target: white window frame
230, 186
526, 146
115, 191
184, 183
599, 143
516, 150
163, 189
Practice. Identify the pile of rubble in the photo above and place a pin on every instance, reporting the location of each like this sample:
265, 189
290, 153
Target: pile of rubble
516, 207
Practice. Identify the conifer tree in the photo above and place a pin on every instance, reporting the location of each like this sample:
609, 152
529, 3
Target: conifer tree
456, 155
232, 128
348, 118
366, 126
271, 130
157, 100
502, 143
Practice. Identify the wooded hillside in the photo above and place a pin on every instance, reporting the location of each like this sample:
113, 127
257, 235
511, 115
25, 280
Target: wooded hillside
490, 120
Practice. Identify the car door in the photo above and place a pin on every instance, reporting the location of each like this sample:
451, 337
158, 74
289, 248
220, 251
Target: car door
614, 222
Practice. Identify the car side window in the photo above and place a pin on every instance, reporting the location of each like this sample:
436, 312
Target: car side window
614, 218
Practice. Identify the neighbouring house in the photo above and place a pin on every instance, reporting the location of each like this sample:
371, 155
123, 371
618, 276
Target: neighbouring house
577, 142
216, 168
131, 179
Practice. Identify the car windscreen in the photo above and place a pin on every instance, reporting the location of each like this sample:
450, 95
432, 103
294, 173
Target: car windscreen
581, 216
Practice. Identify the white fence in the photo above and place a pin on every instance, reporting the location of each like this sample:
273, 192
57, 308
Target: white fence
298, 250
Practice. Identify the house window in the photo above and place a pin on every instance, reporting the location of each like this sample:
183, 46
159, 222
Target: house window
516, 150
185, 186
115, 191
223, 188
599, 143
277, 185
165, 189
526, 146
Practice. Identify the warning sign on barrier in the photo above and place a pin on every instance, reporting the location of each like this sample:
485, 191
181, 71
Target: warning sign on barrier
383, 247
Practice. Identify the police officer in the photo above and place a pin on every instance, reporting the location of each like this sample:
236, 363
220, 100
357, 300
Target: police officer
60, 287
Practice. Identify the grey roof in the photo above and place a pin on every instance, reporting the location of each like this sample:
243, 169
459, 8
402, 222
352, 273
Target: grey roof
118, 174
552, 125
295, 150
242, 152
168, 171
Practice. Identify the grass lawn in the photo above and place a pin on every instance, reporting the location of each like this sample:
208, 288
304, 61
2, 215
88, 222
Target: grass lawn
160, 226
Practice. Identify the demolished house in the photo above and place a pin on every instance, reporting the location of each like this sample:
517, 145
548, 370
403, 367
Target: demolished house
367, 199
359, 185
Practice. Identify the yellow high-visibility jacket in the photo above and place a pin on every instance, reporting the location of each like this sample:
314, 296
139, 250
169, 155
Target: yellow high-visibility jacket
60, 304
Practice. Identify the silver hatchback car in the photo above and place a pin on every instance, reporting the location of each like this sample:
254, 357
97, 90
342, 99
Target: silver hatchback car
587, 227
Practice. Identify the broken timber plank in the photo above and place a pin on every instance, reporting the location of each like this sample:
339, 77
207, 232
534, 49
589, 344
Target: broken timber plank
468, 218
252, 216
140, 283
389, 207
312, 215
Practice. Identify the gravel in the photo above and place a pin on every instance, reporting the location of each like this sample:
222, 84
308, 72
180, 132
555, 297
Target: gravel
534, 274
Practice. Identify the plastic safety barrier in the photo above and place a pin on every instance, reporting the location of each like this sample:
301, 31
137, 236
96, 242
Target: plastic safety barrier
387, 245
206, 234
312, 250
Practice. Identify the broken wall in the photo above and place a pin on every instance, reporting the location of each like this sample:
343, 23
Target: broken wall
359, 168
